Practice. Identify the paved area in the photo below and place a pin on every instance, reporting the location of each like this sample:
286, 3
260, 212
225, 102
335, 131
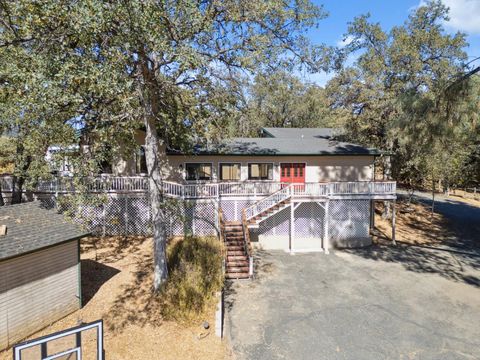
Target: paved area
464, 218
375, 303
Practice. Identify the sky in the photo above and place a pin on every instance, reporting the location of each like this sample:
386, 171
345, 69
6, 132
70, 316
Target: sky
464, 16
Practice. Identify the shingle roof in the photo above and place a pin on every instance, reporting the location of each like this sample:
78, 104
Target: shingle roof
31, 226
283, 146
297, 133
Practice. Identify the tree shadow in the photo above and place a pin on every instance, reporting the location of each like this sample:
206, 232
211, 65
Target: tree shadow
137, 304
110, 249
447, 263
94, 275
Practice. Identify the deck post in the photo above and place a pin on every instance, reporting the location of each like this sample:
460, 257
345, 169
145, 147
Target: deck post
292, 225
372, 214
393, 222
326, 223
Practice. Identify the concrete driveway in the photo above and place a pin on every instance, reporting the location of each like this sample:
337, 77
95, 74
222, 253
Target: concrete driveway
377, 303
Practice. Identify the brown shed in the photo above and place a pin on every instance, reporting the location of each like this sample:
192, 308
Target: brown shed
39, 270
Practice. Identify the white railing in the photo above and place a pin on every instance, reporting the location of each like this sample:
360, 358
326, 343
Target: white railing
268, 202
208, 190
310, 189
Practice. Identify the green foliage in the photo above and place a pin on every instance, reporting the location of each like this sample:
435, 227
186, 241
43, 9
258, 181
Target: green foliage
394, 95
7, 151
195, 269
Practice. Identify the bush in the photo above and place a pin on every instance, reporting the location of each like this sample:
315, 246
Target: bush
195, 275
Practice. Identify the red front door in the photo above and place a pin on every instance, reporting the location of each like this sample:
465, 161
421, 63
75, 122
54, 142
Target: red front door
292, 173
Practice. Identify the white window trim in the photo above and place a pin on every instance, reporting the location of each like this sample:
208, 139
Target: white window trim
219, 171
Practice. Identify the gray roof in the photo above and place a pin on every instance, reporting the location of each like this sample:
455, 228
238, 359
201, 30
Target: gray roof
31, 226
297, 133
283, 146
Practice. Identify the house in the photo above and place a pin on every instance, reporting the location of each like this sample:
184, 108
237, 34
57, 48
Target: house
39, 270
290, 189
297, 188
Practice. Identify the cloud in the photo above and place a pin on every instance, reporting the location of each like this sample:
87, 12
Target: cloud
464, 15
345, 41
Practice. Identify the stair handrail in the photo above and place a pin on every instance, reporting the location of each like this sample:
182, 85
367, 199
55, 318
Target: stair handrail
221, 235
247, 243
268, 202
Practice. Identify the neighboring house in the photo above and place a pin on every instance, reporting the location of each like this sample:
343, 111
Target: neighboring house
39, 270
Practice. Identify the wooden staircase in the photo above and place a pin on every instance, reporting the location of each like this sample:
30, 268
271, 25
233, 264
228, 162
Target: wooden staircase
237, 259
254, 222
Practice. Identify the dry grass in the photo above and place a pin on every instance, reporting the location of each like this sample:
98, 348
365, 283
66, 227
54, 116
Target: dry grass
117, 286
415, 224
466, 198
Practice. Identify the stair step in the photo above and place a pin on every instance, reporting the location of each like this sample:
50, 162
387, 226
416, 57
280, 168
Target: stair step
232, 257
235, 252
233, 269
234, 235
234, 243
235, 248
238, 263
237, 276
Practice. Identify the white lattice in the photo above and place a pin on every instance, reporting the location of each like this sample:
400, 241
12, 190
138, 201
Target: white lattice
228, 209
308, 220
205, 218
139, 219
349, 219
277, 224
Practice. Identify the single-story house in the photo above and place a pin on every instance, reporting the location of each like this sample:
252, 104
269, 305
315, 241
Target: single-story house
39, 269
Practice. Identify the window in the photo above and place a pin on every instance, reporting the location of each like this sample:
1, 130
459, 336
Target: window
141, 161
230, 171
198, 171
260, 171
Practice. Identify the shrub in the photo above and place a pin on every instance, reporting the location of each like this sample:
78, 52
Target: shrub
195, 275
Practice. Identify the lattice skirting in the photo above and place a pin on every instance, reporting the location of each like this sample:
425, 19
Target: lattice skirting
129, 214
349, 220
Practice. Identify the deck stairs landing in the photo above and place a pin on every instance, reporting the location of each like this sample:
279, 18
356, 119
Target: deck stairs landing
237, 260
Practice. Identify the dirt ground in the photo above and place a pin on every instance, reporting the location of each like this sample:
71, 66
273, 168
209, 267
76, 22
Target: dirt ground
116, 287
460, 195
415, 224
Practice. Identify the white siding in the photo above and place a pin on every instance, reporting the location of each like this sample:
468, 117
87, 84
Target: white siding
318, 168
36, 290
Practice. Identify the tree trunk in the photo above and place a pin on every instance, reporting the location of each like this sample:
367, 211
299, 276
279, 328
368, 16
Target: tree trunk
153, 157
387, 175
433, 197
17, 189
2, 202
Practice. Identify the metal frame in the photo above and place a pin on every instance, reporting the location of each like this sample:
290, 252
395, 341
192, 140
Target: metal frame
43, 341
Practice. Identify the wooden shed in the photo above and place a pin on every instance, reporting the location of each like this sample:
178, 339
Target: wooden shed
40, 278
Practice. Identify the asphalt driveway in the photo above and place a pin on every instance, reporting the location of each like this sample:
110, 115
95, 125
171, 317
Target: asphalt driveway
377, 303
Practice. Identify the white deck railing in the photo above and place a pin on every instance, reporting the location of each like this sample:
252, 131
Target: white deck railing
207, 190
268, 202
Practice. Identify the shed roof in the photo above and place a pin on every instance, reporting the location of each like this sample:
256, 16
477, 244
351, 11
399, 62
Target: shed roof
31, 226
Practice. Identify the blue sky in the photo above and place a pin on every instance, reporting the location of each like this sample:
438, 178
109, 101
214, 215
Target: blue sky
464, 16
